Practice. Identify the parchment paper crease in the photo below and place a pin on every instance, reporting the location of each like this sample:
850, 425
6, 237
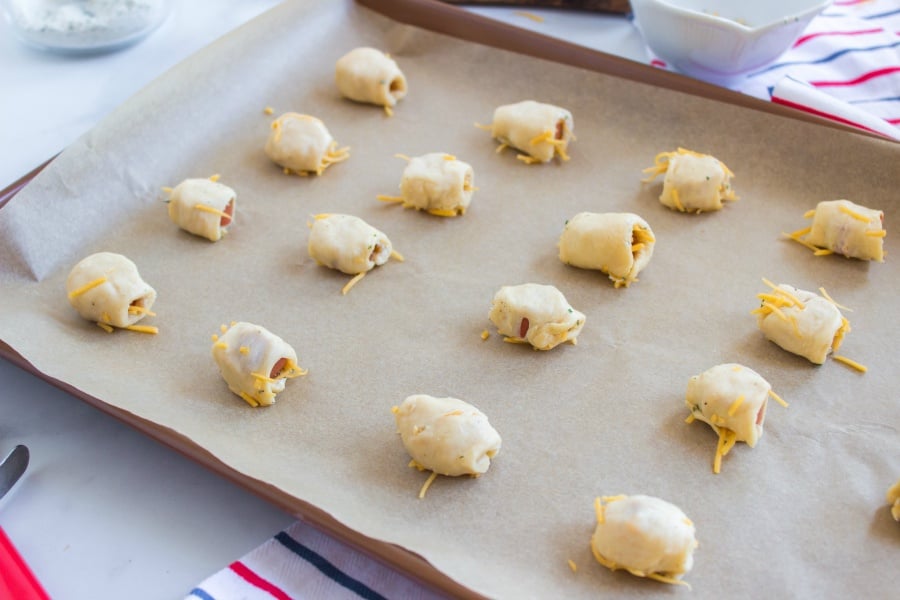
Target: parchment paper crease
800, 515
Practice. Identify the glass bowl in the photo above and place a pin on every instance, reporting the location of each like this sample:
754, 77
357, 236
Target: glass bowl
83, 26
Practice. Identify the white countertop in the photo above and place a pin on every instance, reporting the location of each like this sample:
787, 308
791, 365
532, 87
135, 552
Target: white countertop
103, 511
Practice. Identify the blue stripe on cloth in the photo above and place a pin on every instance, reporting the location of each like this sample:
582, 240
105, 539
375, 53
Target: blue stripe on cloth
328, 569
200, 593
871, 100
824, 59
881, 15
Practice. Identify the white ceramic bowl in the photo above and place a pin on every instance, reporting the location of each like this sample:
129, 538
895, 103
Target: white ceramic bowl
722, 40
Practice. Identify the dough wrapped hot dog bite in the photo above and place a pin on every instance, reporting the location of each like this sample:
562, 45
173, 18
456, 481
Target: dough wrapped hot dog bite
446, 436
437, 183
618, 244
106, 288
370, 76
254, 362
535, 314
203, 207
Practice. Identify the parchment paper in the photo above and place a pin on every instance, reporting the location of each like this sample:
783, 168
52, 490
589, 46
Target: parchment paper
801, 515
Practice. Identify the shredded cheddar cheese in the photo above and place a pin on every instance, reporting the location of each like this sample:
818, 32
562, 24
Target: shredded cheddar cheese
725, 444
244, 350
444, 212
221, 345
850, 363
849, 211
573, 566
211, 210
600, 510
532, 16
485, 334
143, 328
269, 110
735, 405
105, 326
249, 399
676, 200
352, 282
427, 484
830, 299
87, 287
778, 399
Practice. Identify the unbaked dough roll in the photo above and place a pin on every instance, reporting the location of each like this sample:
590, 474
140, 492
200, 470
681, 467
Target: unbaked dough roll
348, 244
446, 435
644, 535
537, 314
540, 130
842, 227
254, 362
730, 397
437, 183
106, 288
801, 322
693, 182
203, 207
618, 244
893, 499
303, 145
370, 75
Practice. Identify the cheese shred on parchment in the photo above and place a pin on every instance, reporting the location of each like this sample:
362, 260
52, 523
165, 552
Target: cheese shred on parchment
427, 484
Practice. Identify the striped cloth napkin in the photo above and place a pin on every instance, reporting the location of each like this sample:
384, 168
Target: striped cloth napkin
302, 562
845, 67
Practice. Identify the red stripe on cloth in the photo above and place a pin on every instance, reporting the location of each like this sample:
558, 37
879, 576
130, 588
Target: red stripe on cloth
806, 38
829, 116
658, 63
860, 79
893, 121
849, 2
244, 572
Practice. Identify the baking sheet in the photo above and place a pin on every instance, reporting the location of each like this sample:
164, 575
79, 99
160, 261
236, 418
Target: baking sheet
795, 516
